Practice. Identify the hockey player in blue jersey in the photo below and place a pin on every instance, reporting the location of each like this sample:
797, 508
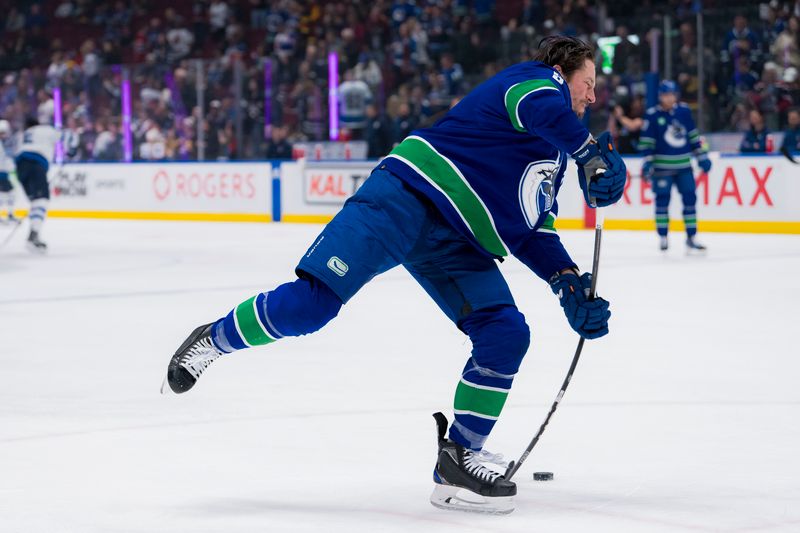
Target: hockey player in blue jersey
668, 140
447, 202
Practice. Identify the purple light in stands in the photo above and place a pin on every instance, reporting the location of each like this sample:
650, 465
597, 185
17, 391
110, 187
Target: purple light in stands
333, 96
58, 123
126, 119
267, 99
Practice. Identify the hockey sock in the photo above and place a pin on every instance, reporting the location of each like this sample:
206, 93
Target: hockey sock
38, 213
7, 202
292, 309
662, 220
690, 220
500, 339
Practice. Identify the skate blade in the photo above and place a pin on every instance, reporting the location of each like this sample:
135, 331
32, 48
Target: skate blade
165, 389
454, 498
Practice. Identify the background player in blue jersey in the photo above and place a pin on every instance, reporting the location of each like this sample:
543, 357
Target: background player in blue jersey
450, 199
669, 138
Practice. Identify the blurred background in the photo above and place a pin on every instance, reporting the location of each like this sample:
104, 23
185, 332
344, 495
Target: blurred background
223, 80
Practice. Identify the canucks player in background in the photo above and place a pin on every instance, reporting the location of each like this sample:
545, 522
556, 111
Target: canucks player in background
33, 161
669, 138
6, 167
446, 203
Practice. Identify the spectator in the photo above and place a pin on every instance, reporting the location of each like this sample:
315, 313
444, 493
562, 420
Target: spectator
625, 124
791, 137
786, 47
278, 147
377, 133
740, 41
354, 95
755, 139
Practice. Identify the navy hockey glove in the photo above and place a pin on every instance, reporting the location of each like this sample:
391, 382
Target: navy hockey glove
589, 318
704, 162
647, 170
605, 188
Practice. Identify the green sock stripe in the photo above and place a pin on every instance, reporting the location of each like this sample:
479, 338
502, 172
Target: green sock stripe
248, 324
481, 401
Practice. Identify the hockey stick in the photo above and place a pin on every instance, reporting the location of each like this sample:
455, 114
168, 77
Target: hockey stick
788, 155
598, 234
12, 232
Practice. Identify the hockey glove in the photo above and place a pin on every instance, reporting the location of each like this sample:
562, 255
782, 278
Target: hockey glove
589, 318
606, 187
704, 162
647, 170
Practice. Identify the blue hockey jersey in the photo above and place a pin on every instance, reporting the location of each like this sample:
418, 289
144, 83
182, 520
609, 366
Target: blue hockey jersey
494, 164
669, 137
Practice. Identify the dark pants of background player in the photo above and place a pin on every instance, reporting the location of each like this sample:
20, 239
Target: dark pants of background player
662, 188
32, 175
386, 224
5, 182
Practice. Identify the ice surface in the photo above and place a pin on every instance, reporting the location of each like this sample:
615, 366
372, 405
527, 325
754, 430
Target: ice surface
684, 418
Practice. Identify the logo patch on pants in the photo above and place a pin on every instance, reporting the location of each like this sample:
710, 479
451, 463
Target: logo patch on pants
338, 266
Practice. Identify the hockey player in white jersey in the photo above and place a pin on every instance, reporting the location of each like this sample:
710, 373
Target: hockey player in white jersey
33, 161
6, 167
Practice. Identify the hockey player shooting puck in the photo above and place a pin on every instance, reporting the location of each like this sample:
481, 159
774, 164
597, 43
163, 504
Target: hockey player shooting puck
542, 476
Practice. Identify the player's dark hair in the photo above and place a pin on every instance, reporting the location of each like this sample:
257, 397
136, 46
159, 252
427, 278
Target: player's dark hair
567, 52
30, 122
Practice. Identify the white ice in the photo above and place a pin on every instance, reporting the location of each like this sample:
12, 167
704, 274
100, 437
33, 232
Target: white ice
685, 418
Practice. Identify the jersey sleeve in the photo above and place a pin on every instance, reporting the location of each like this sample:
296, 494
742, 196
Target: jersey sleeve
694, 135
647, 139
544, 254
540, 107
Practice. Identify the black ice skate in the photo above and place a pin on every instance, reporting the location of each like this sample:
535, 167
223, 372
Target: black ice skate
191, 359
35, 244
463, 483
694, 246
663, 244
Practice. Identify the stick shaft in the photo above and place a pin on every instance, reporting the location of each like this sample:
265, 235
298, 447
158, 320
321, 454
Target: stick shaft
598, 234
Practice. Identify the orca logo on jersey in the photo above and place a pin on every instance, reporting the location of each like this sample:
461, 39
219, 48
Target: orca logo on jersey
537, 189
558, 78
675, 135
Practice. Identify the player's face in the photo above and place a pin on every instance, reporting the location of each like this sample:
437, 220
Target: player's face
667, 100
581, 88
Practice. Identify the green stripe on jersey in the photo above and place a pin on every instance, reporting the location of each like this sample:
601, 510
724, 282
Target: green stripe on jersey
445, 176
481, 401
549, 225
518, 91
677, 162
248, 324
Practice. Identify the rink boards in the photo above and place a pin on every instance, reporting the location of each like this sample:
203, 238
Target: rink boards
740, 194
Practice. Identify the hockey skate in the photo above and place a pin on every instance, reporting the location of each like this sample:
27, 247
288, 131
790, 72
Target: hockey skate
35, 244
462, 483
694, 246
191, 360
663, 244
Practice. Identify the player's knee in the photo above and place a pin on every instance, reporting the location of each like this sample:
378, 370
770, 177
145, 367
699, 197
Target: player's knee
500, 338
301, 307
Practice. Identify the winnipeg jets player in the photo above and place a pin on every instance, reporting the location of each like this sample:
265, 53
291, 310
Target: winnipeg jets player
33, 160
445, 203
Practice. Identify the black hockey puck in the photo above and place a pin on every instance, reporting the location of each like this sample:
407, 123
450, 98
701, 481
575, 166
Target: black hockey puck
542, 476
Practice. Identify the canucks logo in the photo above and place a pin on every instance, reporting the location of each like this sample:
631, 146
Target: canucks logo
675, 135
537, 189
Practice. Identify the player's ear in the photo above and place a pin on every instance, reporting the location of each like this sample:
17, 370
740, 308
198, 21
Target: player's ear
559, 70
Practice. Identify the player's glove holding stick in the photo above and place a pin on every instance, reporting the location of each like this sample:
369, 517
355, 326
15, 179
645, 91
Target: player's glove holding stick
601, 171
588, 317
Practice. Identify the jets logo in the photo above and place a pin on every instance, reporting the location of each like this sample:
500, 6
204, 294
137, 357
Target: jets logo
537, 190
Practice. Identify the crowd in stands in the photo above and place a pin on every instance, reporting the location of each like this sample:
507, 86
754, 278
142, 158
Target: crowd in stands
243, 79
